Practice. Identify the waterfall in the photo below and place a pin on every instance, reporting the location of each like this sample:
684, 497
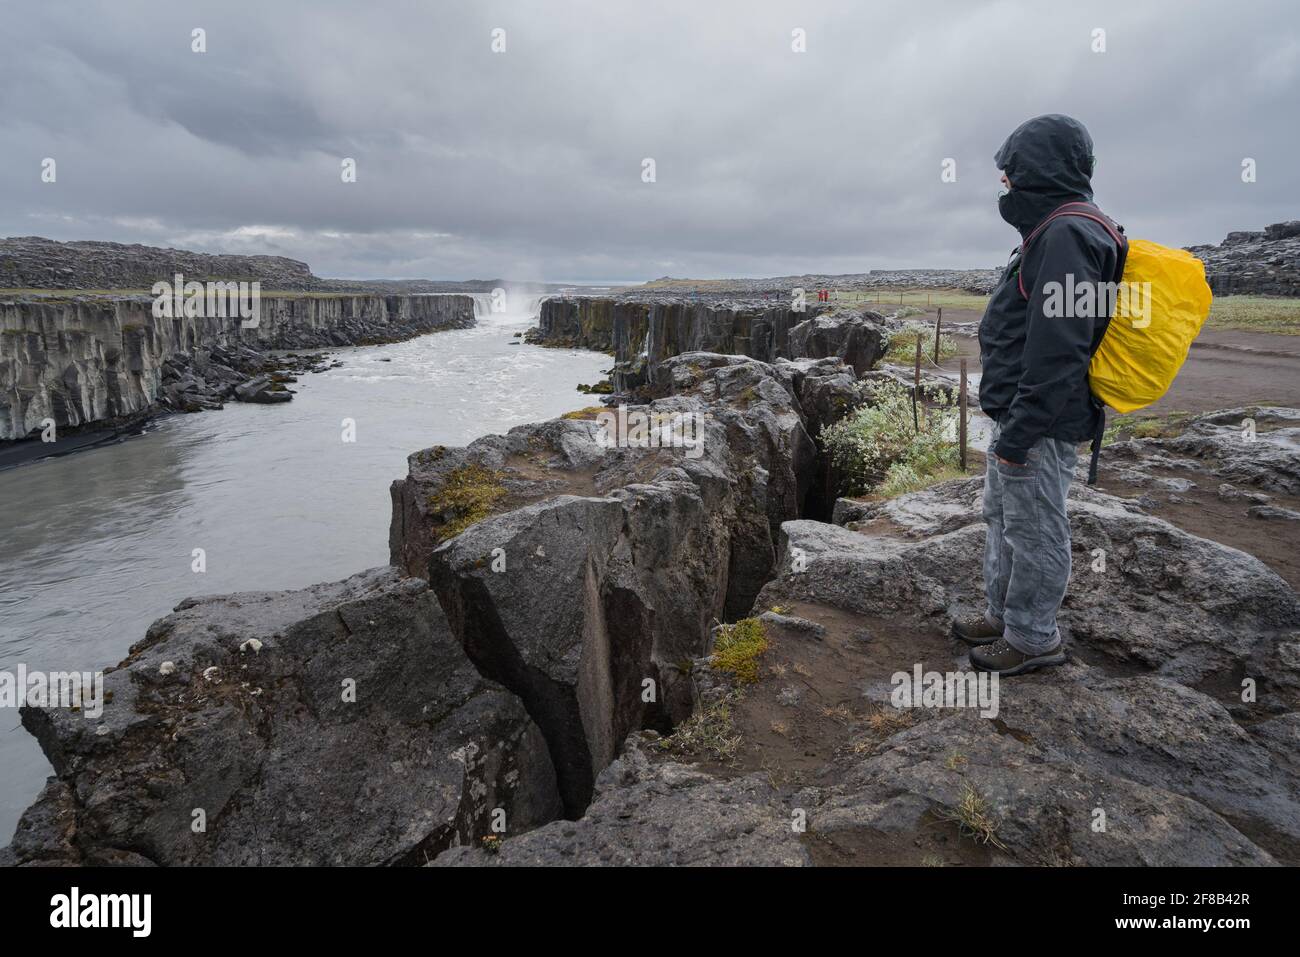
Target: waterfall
506, 306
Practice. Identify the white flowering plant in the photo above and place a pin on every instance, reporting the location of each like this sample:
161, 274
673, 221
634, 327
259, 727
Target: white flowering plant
880, 449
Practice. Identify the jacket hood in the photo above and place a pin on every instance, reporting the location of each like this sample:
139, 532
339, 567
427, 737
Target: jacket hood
1049, 161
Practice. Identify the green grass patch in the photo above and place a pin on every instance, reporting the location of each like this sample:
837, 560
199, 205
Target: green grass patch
738, 647
904, 479
1145, 425
1274, 314
885, 299
901, 348
590, 412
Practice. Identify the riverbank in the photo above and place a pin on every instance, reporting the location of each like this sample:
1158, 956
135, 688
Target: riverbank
203, 382
104, 541
90, 362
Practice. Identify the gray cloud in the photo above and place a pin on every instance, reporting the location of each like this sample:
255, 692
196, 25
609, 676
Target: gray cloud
527, 163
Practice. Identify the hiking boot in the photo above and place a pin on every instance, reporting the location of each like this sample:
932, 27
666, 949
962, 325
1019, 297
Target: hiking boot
975, 630
1007, 661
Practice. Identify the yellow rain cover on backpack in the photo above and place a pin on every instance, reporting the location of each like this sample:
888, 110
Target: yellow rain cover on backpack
1161, 304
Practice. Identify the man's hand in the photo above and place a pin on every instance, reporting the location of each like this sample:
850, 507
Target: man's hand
1014, 465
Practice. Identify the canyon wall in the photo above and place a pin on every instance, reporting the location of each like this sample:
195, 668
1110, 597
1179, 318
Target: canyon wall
642, 333
87, 360
668, 327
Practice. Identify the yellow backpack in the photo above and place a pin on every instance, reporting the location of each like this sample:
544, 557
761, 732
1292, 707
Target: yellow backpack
1152, 329
1162, 302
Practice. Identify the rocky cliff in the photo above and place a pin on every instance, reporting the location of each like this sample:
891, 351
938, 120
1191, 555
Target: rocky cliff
1169, 738
1262, 262
286, 716
32, 262
85, 360
339, 724
537, 678
642, 333
617, 560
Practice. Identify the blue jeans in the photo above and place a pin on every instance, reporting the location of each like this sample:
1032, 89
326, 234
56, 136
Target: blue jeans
1027, 550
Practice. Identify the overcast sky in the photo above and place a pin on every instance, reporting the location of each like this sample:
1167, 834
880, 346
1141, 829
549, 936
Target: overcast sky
527, 164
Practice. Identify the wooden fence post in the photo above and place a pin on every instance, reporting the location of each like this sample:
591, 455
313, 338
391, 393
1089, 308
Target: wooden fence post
916, 387
938, 324
961, 422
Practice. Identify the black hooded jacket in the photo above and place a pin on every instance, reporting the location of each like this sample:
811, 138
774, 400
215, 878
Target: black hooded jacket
1034, 379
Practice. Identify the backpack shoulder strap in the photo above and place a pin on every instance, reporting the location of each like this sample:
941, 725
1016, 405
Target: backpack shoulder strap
1084, 211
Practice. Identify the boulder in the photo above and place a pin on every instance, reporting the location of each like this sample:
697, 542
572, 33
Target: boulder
339, 724
1288, 230
859, 338
1162, 600
596, 604
262, 389
826, 389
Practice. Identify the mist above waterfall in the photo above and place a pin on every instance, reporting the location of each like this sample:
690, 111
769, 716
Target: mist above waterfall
508, 305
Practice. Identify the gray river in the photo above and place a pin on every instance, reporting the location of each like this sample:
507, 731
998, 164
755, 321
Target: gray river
96, 545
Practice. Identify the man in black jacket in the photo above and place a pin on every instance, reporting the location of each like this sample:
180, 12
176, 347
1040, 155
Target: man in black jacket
1036, 339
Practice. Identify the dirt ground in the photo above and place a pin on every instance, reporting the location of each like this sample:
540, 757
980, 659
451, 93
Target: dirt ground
811, 720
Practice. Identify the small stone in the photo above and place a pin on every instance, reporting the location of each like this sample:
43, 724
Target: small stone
1273, 513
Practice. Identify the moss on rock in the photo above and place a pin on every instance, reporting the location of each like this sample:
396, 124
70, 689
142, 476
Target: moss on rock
738, 647
469, 495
